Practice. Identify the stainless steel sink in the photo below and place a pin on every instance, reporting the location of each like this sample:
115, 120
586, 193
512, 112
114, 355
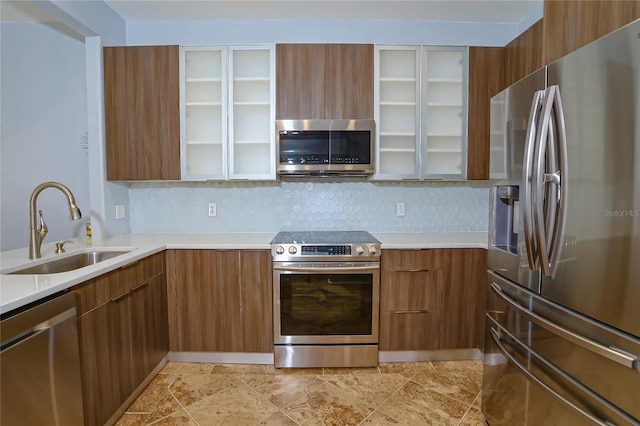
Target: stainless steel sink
69, 263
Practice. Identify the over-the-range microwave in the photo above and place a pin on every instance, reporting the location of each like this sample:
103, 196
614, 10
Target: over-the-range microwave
325, 147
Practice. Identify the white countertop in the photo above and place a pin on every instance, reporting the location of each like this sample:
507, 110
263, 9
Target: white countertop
19, 290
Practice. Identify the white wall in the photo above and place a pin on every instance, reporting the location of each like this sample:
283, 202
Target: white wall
44, 125
319, 31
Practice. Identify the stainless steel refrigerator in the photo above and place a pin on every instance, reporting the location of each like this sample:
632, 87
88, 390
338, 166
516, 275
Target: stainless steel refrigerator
563, 316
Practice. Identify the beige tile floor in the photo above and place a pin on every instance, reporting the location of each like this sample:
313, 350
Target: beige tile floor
420, 393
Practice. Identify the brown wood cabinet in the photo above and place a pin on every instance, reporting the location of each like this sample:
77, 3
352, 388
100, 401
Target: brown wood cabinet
432, 299
570, 24
523, 55
411, 290
324, 81
123, 335
465, 294
220, 300
486, 78
142, 112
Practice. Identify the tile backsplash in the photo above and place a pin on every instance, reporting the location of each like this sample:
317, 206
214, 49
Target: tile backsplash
309, 205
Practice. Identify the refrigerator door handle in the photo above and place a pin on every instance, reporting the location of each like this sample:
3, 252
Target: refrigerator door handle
623, 358
500, 341
527, 178
559, 179
549, 238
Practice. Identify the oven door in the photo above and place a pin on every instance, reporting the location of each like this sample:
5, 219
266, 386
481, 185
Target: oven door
326, 302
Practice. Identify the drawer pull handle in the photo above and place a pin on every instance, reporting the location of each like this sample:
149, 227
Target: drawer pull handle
413, 311
120, 297
139, 286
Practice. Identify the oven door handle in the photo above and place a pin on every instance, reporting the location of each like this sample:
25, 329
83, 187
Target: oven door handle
327, 268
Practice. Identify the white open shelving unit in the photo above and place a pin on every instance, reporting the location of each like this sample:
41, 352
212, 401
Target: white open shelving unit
420, 110
228, 112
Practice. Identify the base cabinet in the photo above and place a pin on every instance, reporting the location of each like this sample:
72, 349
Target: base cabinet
220, 300
432, 299
122, 327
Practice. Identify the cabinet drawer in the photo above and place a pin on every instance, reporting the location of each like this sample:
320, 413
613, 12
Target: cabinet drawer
403, 290
412, 260
409, 331
152, 266
102, 289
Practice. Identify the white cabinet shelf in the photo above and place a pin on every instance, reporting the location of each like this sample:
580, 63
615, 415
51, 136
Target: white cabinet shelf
420, 110
228, 112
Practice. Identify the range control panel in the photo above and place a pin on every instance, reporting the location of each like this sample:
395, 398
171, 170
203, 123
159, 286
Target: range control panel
285, 252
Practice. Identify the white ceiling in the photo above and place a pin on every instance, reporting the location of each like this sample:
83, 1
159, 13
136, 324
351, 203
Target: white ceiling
502, 11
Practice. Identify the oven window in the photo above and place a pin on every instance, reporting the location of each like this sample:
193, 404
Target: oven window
326, 304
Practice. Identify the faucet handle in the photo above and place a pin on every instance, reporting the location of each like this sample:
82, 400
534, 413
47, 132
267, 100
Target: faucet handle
42, 230
60, 246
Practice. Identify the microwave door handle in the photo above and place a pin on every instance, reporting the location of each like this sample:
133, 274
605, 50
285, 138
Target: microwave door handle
527, 178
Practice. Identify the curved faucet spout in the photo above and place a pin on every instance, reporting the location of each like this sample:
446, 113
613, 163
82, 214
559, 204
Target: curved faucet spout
37, 234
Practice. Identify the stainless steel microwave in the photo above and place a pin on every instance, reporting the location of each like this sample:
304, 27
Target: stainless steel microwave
325, 147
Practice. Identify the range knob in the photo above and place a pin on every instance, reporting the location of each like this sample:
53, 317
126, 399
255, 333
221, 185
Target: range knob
279, 250
359, 250
373, 250
293, 250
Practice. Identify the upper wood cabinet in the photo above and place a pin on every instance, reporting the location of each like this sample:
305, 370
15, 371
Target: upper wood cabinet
142, 112
523, 55
324, 81
486, 78
570, 24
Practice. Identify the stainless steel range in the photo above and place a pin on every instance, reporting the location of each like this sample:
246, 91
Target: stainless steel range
326, 299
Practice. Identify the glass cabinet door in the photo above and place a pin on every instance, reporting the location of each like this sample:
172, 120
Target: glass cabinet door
252, 112
203, 114
444, 112
397, 111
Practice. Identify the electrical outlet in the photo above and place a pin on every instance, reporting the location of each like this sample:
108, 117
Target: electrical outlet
399, 209
213, 209
120, 211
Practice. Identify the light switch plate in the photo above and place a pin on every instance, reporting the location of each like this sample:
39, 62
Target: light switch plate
400, 209
120, 211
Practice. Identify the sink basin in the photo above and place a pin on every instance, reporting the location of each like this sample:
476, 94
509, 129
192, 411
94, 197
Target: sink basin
69, 263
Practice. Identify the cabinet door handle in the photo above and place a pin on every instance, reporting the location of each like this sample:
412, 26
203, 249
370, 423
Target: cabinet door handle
412, 311
120, 297
139, 286
415, 270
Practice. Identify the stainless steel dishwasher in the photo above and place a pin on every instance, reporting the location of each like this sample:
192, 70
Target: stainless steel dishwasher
40, 365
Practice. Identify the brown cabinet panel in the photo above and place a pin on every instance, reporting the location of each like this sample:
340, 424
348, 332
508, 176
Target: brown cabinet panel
300, 81
321, 81
204, 300
403, 290
524, 54
465, 291
411, 260
142, 112
409, 331
150, 330
570, 24
257, 300
123, 334
106, 362
349, 81
486, 78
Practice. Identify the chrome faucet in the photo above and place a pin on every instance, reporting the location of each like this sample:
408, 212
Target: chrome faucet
37, 235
